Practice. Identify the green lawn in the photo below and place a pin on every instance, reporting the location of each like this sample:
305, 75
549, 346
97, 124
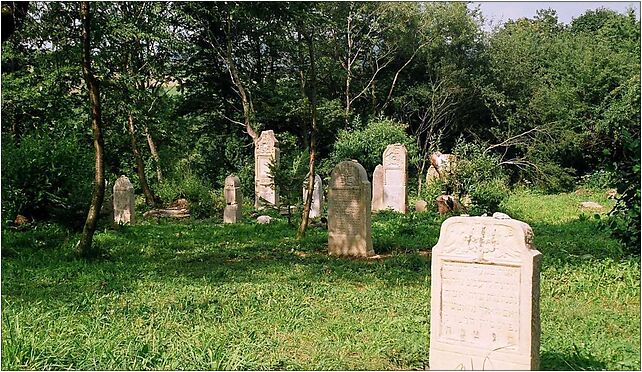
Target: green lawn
202, 295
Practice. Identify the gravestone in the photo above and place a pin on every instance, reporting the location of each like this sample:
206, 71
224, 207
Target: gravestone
233, 199
317, 196
377, 188
395, 179
432, 175
485, 296
266, 152
421, 206
123, 199
349, 227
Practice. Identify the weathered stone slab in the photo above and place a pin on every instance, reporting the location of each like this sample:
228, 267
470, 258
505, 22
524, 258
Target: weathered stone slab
123, 199
349, 226
316, 205
377, 188
233, 199
395, 179
266, 152
485, 296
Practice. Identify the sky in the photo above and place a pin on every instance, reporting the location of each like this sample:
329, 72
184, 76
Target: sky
498, 12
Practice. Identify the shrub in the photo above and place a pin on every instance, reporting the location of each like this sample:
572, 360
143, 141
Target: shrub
368, 144
46, 177
204, 200
478, 174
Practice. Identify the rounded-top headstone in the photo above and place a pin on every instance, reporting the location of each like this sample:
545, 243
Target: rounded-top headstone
349, 226
123, 201
123, 184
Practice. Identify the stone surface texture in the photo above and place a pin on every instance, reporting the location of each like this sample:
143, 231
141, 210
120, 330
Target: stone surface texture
123, 195
485, 296
421, 206
233, 199
395, 178
349, 225
317, 196
377, 188
266, 151
264, 219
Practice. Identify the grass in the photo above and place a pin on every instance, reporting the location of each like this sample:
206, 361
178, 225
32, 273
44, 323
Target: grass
201, 295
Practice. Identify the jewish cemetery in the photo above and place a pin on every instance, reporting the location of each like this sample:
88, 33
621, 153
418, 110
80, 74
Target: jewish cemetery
320, 186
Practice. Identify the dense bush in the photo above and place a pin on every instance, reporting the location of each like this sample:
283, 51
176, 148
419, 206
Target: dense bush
478, 174
46, 177
367, 145
204, 200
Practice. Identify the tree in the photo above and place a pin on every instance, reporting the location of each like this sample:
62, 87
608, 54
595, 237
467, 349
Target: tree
84, 247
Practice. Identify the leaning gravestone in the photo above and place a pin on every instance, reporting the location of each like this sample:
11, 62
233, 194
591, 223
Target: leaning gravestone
233, 199
349, 228
395, 177
123, 195
377, 188
317, 196
485, 296
266, 151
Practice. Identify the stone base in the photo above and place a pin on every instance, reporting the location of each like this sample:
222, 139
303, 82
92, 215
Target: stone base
232, 213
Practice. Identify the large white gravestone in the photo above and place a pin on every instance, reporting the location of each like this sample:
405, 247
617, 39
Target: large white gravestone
395, 178
266, 151
317, 196
377, 188
233, 199
485, 296
349, 227
123, 199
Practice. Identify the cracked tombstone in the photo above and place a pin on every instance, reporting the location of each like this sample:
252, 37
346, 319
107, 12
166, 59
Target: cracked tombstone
349, 226
485, 296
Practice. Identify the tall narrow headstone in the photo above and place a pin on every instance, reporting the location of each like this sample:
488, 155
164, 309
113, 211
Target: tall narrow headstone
377, 188
317, 196
266, 152
123, 195
233, 199
395, 179
349, 226
485, 295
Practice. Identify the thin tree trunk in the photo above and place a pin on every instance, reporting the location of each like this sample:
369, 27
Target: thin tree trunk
155, 156
84, 247
150, 198
236, 79
313, 138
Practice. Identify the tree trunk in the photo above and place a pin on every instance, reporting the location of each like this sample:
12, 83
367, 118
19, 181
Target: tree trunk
313, 138
150, 198
85, 247
155, 156
236, 79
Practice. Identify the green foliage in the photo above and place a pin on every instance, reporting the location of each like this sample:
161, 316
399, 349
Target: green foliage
45, 177
478, 174
204, 200
289, 175
368, 144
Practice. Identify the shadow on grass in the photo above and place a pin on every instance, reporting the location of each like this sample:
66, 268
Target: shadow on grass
571, 361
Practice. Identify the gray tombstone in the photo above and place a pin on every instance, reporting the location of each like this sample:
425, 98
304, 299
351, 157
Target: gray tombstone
395, 178
349, 225
377, 188
266, 152
316, 205
484, 295
233, 199
123, 199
